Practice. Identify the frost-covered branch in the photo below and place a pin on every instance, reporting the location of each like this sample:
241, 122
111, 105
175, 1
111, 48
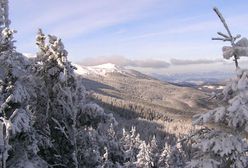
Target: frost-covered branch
199, 132
225, 37
62, 129
224, 23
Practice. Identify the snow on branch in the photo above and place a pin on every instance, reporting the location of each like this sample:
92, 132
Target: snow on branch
224, 23
203, 130
62, 129
225, 37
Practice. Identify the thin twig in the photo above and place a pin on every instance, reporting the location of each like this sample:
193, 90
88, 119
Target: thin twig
62, 129
223, 21
222, 34
228, 37
221, 39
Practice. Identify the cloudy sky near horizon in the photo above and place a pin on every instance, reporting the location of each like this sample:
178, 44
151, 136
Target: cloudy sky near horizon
138, 33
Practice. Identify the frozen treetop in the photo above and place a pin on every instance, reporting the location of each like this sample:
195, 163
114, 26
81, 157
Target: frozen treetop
238, 48
4, 14
6, 35
227, 37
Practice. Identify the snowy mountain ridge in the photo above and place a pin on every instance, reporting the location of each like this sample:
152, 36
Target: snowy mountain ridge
100, 70
104, 70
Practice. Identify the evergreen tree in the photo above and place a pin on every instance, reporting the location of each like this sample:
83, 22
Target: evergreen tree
61, 94
154, 152
63, 109
116, 152
164, 156
175, 158
144, 156
225, 145
130, 142
18, 143
106, 162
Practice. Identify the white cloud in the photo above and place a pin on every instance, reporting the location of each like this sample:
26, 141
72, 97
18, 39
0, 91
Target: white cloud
196, 26
70, 19
122, 61
192, 62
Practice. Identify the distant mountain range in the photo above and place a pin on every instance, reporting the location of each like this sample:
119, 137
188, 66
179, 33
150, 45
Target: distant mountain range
195, 79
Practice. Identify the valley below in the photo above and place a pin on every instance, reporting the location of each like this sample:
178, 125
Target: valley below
135, 99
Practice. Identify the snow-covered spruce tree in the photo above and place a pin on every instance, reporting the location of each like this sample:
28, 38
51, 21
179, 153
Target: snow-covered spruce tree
130, 143
17, 137
154, 152
225, 144
106, 162
176, 157
4, 13
164, 156
66, 123
144, 158
58, 101
115, 148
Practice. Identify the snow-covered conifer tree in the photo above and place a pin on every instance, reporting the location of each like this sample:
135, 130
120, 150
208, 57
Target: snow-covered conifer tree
224, 144
164, 156
106, 162
70, 120
144, 156
115, 147
60, 102
154, 151
19, 147
175, 158
130, 142
126, 143
4, 14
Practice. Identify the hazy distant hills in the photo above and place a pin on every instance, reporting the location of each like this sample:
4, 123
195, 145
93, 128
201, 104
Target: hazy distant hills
132, 94
213, 81
197, 78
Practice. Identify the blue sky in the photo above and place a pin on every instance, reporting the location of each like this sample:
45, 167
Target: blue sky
130, 29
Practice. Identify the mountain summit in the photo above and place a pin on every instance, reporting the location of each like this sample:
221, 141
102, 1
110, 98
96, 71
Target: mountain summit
107, 69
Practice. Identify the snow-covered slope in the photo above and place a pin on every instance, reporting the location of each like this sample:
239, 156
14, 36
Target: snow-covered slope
100, 70
107, 69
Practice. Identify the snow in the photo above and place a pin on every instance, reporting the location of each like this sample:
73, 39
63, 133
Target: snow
240, 49
226, 145
213, 87
220, 87
209, 87
100, 70
19, 121
29, 55
104, 70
